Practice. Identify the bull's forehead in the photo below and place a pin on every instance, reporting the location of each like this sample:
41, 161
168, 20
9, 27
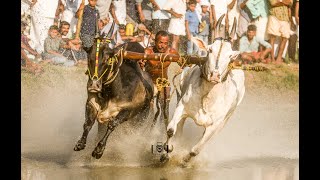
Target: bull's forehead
215, 47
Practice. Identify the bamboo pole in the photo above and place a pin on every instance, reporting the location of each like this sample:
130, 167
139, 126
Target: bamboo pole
79, 22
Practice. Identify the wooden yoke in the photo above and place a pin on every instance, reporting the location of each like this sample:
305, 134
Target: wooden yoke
77, 35
181, 60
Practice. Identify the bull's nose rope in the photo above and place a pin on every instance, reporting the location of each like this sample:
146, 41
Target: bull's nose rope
110, 62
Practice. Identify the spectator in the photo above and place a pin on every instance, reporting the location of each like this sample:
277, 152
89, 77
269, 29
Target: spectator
177, 9
259, 12
25, 44
118, 11
72, 49
160, 17
144, 11
218, 8
292, 49
279, 25
103, 7
233, 12
192, 24
26, 63
245, 18
68, 15
249, 46
89, 25
51, 48
205, 21
42, 17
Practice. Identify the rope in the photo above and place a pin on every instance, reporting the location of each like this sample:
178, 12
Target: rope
162, 82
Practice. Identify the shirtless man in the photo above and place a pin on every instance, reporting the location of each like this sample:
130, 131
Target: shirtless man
154, 68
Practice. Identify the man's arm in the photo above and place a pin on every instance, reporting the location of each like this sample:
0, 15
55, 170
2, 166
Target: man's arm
264, 43
139, 8
113, 13
187, 30
27, 48
78, 11
155, 5
173, 13
230, 6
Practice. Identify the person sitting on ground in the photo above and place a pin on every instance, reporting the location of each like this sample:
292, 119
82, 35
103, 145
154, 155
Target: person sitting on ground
72, 50
249, 46
51, 48
26, 63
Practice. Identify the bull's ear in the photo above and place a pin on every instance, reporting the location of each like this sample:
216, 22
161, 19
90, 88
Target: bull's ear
199, 43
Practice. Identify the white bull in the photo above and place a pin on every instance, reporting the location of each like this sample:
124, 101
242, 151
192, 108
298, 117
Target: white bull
209, 94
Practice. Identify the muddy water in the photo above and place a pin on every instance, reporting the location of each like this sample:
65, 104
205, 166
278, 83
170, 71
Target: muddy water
260, 141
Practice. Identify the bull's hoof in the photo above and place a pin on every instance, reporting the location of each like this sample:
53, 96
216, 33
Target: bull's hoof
184, 164
79, 146
98, 151
164, 158
170, 132
97, 154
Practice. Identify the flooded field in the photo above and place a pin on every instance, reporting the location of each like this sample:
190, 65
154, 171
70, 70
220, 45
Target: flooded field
259, 142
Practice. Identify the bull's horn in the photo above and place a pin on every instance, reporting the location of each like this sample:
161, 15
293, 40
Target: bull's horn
217, 28
234, 27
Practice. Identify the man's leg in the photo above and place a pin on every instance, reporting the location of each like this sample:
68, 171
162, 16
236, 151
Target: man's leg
281, 49
272, 39
246, 57
265, 53
175, 42
292, 47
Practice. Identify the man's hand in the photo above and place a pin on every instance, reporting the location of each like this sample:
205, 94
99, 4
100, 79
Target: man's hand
81, 6
177, 15
189, 37
142, 18
156, 7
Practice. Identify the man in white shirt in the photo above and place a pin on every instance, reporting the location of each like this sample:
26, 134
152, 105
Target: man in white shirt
160, 17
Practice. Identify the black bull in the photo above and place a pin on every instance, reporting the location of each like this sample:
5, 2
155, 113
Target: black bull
117, 91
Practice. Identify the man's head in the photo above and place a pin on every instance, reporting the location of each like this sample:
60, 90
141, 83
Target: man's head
251, 31
204, 6
192, 5
93, 3
53, 31
64, 28
122, 30
162, 41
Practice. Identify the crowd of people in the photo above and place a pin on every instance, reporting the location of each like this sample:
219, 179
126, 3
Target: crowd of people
266, 29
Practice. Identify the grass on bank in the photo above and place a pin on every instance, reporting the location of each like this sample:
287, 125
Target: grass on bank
280, 77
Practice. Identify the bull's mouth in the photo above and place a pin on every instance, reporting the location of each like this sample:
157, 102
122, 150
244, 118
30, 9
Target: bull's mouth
94, 90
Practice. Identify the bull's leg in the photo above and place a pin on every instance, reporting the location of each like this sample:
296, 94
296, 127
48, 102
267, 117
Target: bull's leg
208, 133
180, 127
171, 130
91, 116
120, 118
